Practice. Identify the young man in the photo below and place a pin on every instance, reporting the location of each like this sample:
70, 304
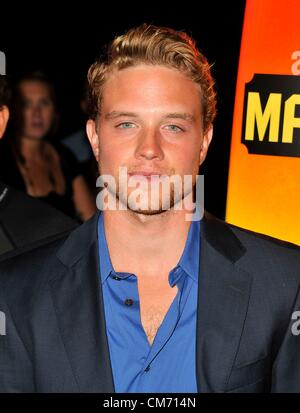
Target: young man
24, 221
142, 298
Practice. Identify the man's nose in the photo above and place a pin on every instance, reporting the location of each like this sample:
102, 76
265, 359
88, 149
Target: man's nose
149, 145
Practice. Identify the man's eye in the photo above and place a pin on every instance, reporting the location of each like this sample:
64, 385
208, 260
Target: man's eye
125, 125
174, 128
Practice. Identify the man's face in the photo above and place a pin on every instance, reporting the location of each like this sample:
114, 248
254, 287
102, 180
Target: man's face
151, 123
4, 115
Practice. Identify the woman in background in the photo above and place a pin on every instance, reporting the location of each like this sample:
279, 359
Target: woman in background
40, 168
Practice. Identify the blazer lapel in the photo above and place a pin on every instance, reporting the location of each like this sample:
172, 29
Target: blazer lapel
223, 296
78, 302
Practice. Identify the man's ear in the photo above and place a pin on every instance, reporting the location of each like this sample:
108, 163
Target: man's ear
93, 137
205, 144
4, 115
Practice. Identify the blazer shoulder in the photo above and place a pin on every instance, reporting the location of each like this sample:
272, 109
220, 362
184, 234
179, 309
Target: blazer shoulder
255, 240
268, 259
246, 235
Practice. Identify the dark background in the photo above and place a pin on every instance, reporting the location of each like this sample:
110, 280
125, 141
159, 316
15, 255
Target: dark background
63, 40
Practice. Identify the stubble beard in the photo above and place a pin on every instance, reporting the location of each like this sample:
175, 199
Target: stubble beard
165, 203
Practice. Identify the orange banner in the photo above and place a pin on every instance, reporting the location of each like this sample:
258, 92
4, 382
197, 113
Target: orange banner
264, 173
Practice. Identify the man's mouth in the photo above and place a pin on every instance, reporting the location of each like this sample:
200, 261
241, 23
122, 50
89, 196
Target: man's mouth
149, 175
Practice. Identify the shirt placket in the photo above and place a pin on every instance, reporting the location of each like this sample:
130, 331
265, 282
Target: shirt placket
169, 323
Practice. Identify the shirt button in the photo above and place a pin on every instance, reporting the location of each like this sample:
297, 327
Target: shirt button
116, 278
147, 368
128, 302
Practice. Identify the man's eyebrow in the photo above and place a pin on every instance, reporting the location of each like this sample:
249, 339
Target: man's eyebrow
118, 114
173, 115
179, 115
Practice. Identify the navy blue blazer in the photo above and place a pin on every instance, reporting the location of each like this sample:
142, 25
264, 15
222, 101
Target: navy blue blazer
56, 339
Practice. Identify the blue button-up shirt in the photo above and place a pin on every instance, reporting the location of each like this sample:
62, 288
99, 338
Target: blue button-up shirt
169, 365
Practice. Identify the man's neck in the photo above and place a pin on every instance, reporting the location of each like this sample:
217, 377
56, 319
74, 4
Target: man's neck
147, 244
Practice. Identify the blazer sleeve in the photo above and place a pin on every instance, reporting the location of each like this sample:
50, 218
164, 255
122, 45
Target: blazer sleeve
16, 372
286, 368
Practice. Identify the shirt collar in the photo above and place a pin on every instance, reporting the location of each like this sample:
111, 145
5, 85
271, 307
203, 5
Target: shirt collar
105, 263
189, 261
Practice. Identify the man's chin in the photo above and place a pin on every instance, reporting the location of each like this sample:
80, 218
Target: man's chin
148, 212
158, 207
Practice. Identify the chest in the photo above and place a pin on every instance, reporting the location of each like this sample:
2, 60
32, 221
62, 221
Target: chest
155, 301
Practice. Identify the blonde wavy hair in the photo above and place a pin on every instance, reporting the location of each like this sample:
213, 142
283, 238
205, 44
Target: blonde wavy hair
152, 45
